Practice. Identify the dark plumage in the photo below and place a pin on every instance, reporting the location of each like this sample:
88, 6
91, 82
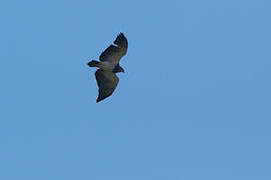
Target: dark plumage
107, 82
108, 65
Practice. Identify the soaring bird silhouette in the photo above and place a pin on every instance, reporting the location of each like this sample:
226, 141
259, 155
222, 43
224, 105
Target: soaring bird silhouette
108, 65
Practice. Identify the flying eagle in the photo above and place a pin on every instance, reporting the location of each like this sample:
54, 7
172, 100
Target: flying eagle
108, 65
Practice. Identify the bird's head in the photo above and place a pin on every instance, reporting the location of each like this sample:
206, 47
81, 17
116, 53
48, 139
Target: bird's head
117, 69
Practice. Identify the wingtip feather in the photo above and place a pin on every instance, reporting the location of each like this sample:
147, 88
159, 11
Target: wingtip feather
121, 40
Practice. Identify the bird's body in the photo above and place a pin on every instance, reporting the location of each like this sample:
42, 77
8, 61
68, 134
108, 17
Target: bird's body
108, 66
105, 65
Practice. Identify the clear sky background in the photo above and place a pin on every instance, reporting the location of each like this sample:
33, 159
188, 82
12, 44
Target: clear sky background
193, 104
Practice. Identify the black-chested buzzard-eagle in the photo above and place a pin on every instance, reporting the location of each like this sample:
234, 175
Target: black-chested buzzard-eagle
108, 65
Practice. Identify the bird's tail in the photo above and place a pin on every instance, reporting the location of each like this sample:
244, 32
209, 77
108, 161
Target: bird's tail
93, 63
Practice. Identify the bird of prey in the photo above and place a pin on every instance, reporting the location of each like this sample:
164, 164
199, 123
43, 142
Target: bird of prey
108, 65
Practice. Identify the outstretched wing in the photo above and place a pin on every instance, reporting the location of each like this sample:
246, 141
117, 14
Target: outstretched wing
107, 82
115, 52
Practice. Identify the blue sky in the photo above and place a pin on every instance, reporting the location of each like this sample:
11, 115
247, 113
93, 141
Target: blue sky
193, 104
